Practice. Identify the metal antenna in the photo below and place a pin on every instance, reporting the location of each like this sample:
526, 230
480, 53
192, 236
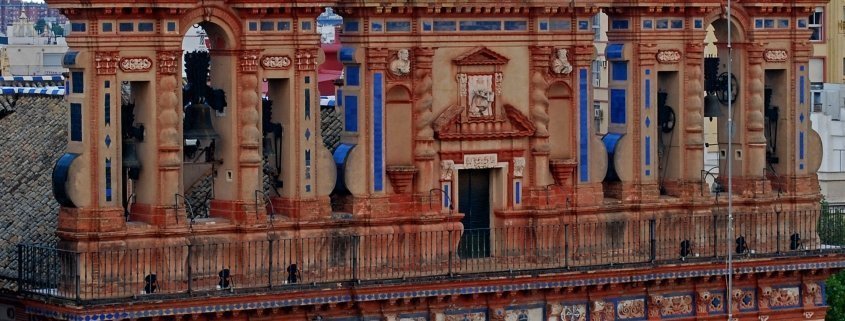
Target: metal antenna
730, 171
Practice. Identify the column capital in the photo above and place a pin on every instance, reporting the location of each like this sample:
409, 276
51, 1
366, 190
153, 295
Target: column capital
306, 59
377, 58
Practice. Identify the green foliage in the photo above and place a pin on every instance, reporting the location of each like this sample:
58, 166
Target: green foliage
39, 25
58, 31
835, 290
831, 225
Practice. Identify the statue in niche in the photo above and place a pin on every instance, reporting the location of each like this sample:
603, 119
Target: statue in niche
560, 64
481, 95
401, 66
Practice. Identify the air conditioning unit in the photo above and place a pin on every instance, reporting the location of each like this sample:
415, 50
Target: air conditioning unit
598, 113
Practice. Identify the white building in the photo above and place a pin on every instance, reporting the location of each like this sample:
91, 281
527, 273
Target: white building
828, 102
28, 53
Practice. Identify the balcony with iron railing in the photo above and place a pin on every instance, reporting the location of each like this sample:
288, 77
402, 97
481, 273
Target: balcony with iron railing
349, 259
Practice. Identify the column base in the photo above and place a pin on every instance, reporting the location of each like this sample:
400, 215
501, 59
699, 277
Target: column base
311, 209
163, 216
90, 220
238, 212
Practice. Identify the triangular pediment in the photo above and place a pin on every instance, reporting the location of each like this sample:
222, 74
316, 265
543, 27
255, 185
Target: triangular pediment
480, 56
452, 124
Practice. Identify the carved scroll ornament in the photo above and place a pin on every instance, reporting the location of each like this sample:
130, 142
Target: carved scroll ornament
136, 64
775, 55
275, 62
670, 56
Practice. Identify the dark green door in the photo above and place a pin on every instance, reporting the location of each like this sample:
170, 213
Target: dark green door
474, 202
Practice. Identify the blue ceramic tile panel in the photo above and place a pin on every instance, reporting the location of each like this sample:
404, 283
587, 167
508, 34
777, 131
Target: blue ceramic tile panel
426, 25
171, 26
306, 25
583, 25
399, 26
481, 25
346, 54
106, 27
801, 144
76, 122
78, 82
108, 180
307, 157
677, 24
583, 109
351, 113
662, 23
126, 27
614, 51
544, 25
560, 24
620, 24
351, 26
648, 93
783, 23
69, 58
698, 23
77, 27
516, 25
802, 23
146, 27
758, 23
376, 26
619, 70
352, 76
517, 190
801, 88
647, 150
339, 98
445, 26
446, 199
252, 26
307, 103
617, 106
648, 24
283, 26
107, 108
267, 26
769, 23
107, 84
378, 132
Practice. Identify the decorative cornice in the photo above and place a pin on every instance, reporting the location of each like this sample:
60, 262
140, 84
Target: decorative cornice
275, 62
480, 56
135, 64
106, 62
450, 126
670, 56
775, 55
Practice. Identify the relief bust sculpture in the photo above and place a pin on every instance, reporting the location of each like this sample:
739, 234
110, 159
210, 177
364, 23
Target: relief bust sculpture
401, 66
560, 64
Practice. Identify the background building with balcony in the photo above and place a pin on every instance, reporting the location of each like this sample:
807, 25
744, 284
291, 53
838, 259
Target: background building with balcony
470, 181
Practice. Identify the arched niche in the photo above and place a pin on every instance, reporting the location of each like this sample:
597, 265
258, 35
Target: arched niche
561, 116
399, 126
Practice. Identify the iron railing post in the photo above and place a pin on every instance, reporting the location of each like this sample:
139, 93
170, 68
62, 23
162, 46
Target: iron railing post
450, 252
190, 268
651, 233
270, 264
20, 268
77, 278
777, 233
715, 236
566, 246
355, 243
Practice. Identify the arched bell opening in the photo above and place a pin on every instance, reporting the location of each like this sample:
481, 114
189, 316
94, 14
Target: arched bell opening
136, 108
717, 81
669, 144
207, 127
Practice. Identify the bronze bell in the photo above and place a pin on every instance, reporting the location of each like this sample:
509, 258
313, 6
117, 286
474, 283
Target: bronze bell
712, 107
198, 123
130, 159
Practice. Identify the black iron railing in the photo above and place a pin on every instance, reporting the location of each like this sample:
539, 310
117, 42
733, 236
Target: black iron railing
115, 272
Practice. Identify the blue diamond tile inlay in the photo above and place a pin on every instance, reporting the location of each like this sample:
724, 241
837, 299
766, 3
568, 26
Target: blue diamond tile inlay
108, 141
307, 133
801, 117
